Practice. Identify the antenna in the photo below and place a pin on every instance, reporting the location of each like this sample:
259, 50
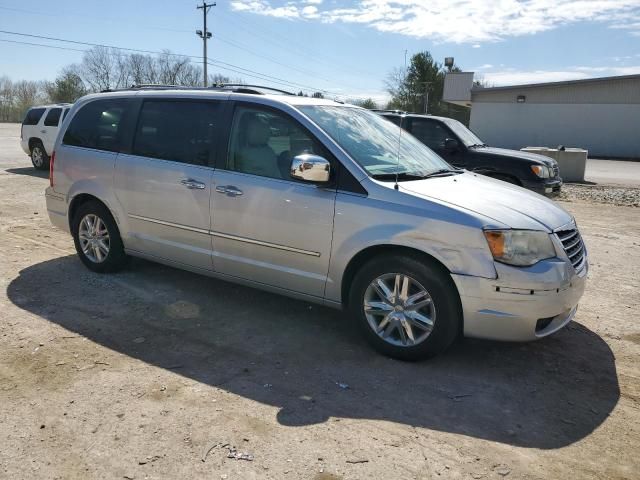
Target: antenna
399, 145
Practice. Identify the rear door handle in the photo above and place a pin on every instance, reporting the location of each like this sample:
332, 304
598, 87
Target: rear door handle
192, 184
229, 190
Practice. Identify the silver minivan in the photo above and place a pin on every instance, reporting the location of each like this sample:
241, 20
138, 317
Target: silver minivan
318, 200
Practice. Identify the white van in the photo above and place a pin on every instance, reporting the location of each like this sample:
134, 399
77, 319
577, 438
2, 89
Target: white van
40, 130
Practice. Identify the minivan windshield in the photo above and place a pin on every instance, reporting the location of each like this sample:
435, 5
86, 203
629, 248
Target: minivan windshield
372, 141
469, 138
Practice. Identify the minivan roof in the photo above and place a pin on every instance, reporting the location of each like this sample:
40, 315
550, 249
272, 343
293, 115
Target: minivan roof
216, 93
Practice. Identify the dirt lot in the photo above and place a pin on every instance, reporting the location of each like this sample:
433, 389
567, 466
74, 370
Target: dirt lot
157, 373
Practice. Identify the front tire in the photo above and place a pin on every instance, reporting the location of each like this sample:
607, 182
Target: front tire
39, 157
97, 238
406, 307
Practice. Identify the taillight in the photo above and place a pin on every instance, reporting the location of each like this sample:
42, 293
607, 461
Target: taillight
51, 160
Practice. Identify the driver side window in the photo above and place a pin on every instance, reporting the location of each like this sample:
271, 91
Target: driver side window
432, 134
263, 142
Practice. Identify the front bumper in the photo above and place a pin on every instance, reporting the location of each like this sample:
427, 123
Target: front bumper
547, 186
522, 304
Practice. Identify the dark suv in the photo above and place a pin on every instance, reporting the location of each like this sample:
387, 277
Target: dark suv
462, 148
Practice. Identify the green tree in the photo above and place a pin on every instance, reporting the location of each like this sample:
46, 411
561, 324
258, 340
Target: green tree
317, 95
366, 103
67, 88
408, 89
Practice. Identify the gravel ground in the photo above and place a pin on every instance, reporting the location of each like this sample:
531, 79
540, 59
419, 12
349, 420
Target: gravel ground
157, 373
612, 195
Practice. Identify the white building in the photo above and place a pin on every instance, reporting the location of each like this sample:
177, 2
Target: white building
601, 115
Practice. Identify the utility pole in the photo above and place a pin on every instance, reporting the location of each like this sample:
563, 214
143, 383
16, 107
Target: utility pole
427, 86
205, 35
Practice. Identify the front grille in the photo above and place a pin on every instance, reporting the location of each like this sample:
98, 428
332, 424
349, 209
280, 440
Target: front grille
574, 247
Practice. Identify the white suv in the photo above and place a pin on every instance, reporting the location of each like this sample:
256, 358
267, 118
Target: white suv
40, 130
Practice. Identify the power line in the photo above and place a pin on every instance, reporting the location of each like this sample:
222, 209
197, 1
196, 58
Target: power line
285, 43
281, 45
42, 45
218, 63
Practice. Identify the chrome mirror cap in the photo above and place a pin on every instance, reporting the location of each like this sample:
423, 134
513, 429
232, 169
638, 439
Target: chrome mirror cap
310, 168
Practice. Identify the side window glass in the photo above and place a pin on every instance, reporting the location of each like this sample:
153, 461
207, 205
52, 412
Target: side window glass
33, 116
394, 119
53, 117
264, 142
64, 114
97, 125
432, 134
177, 130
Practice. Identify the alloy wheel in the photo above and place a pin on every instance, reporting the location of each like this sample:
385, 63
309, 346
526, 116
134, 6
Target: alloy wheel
94, 238
37, 156
399, 309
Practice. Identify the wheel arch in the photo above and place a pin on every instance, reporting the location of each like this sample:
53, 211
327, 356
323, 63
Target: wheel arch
501, 176
79, 200
367, 254
33, 141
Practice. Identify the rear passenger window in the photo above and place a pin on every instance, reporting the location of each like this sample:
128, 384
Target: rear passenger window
53, 117
97, 125
33, 116
182, 131
64, 113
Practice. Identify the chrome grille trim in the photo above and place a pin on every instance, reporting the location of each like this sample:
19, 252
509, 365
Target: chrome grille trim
573, 246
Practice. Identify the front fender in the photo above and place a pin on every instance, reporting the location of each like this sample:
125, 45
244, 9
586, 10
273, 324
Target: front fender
460, 247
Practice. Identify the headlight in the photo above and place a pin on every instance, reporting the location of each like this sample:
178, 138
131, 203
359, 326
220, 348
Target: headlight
519, 247
541, 171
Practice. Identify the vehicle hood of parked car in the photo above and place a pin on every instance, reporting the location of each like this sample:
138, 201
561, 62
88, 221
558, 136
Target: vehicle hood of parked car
516, 154
502, 202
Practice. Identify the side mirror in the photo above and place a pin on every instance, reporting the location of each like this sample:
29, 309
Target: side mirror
310, 168
451, 145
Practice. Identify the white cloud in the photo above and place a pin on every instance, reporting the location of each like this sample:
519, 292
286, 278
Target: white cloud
520, 77
459, 21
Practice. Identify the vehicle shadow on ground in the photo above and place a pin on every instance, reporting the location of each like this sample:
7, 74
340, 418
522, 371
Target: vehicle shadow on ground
32, 172
293, 355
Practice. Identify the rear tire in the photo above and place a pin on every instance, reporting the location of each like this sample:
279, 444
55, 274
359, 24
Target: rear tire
420, 316
97, 238
39, 157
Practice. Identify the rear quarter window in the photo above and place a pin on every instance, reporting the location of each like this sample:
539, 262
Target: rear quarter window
98, 125
33, 116
53, 117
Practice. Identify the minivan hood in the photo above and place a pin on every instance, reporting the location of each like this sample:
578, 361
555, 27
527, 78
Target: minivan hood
507, 204
516, 154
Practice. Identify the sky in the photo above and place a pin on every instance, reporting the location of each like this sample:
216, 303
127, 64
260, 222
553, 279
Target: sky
346, 48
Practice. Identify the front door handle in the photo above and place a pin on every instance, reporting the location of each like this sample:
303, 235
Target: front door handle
43, 131
192, 184
229, 190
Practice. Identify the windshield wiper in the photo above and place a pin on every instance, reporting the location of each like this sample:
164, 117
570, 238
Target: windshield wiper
442, 172
402, 176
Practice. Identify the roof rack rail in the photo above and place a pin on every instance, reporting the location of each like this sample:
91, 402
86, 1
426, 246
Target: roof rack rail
382, 110
233, 87
242, 88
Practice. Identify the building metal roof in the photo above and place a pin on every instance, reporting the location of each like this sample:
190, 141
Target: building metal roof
568, 83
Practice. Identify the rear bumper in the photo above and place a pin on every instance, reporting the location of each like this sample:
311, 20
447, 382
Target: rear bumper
500, 309
57, 209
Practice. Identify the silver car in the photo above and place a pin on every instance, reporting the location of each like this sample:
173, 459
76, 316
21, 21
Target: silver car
317, 200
